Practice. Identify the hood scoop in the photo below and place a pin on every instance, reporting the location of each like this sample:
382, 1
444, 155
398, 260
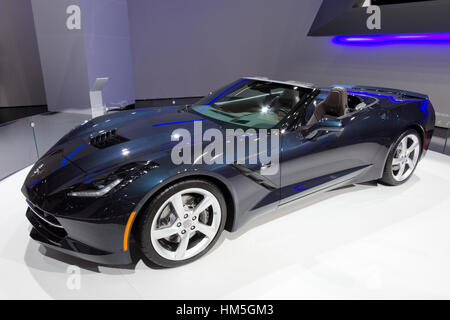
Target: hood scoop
106, 139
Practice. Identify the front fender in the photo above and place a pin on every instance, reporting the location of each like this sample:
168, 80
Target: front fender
145, 188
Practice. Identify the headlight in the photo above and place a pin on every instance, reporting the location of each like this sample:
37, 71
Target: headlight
96, 193
100, 183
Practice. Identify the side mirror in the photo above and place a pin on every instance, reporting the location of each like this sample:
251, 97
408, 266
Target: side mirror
325, 124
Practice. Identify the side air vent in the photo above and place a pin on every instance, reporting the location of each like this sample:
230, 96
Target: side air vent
255, 176
107, 139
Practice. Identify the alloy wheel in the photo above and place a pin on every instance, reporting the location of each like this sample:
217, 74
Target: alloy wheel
405, 157
185, 224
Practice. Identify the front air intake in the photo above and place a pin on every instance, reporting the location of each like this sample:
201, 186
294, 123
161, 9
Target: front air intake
106, 139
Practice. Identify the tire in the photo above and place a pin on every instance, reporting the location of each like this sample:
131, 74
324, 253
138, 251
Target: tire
392, 175
188, 237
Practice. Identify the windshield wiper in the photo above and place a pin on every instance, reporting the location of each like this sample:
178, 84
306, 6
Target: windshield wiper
186, 108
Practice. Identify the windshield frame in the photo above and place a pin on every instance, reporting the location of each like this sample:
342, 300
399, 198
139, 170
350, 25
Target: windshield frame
214, 96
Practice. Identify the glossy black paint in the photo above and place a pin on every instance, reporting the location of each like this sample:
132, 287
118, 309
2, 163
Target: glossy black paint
95, 227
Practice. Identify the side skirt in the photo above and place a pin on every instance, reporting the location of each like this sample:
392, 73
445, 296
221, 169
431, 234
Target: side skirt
322, 184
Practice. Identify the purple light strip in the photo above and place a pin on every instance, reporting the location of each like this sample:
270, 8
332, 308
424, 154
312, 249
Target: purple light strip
393, 38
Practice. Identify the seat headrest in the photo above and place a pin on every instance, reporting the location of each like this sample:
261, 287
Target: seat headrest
336, 101
333, 105
337, 97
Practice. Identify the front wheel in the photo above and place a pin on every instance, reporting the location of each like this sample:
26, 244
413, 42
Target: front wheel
182, 223
402, 159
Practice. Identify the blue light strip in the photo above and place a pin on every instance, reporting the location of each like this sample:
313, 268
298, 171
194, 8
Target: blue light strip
213, 100
300, 187
363, 40
423, 108
177, 122
64, 162
31, 185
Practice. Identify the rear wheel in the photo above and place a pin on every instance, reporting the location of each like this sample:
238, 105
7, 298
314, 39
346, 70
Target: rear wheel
182, 223
402, 159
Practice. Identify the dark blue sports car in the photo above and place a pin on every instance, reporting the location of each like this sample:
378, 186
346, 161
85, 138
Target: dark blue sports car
111, 188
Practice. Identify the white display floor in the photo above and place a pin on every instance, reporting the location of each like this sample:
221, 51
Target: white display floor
366, 241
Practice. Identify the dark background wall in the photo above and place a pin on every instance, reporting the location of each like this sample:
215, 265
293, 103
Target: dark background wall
21, 82
187, 48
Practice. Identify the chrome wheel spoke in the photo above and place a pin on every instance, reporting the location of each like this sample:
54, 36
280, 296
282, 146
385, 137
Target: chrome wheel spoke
165, 232
202, 206
412, 147
182, 246
208, 231
401, 170
177, 202
404, 144
410, 163
396, 161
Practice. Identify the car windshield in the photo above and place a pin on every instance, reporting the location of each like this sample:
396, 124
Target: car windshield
252, 103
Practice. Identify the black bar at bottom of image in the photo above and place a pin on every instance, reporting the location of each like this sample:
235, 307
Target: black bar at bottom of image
233, 309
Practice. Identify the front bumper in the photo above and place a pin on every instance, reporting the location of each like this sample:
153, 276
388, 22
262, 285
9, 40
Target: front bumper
99, 244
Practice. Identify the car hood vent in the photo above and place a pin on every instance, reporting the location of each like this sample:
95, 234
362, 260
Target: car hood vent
106, 139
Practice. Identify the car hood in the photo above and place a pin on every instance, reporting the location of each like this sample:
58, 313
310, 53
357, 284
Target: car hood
138, 135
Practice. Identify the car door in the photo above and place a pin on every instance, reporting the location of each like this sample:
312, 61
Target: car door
330, 158
304, 162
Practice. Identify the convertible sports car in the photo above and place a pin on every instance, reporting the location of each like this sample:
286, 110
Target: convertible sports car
109, 188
